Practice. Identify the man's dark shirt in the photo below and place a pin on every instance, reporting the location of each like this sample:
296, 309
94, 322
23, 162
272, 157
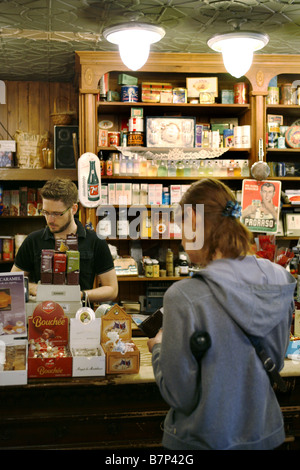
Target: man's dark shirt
95, 256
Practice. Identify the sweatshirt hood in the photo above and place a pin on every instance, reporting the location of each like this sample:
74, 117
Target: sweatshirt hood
255, 292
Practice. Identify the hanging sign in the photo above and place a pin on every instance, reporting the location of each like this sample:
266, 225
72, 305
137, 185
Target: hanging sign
89, 180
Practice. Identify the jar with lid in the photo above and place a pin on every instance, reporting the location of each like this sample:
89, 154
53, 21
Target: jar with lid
286, 94
183, 265
148, 268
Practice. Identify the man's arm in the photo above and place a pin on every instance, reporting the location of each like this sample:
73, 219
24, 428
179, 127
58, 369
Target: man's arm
108, 289
32, 285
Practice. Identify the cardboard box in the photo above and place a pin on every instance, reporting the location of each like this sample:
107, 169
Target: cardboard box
7, 153
170, 131
13, 332
88, 355
117, 321
197, 85
151, 91
292, 225
48, 354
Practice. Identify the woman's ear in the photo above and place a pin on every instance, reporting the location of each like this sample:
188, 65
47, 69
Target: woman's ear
74, 208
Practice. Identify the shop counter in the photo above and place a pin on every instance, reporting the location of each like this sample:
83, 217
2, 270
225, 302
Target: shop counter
123, 411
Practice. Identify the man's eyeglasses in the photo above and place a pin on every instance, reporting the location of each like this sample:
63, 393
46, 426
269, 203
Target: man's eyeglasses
54, 214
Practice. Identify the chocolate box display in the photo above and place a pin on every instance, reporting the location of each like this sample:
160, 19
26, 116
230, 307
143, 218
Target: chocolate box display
13, 332
48, 354
122, 354
88, 355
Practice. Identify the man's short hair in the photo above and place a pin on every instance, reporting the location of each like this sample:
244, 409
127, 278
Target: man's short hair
60, 189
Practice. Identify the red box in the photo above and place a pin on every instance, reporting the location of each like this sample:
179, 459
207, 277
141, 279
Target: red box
48, 354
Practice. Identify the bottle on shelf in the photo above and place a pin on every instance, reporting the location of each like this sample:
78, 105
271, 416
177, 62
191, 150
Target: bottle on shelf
166, 196
183, 265
194, 168
187, 168
245, 169
179, 168
102, 163
216, 168
209, 168
230, 169
136, 165
169, 263
162, 169
224, 168
109, 166
123, 165
152, 169
143, 167
116, 164
236, 169
201, 171
129, 166
172, 169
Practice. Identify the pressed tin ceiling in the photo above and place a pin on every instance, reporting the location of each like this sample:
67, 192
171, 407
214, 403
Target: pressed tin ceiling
38, 39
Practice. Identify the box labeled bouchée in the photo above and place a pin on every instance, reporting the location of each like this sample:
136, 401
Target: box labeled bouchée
197, 85
122, 354
88, 355
48, 354
13, 332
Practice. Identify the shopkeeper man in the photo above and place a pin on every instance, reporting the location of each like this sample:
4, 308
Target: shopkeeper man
60, 204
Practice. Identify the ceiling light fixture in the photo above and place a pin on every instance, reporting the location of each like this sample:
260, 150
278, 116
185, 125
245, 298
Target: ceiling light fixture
237, 49
134, 40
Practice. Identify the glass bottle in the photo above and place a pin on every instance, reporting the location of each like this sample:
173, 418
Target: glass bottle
179, 168
194, 168
129, 166
183, 265
116, 164
187, 168
224, 168
209, 168
109, 166
201, 171
230, 169
123, 165
245, 169
172, 169
152, 169
143, 167
136, 165
102, 163
237, 169
162, 169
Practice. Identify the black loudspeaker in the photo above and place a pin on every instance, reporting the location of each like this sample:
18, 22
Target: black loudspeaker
63, 146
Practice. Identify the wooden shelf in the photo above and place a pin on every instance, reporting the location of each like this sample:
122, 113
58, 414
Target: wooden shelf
36, 174
144, 278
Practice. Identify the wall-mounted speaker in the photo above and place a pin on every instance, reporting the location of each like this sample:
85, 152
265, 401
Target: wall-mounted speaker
64, 156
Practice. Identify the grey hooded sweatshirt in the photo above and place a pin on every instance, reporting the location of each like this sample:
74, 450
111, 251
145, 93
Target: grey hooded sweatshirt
228, 402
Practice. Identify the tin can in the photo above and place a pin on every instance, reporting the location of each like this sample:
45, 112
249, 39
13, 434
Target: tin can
179, 95
286, 94
240, 93
227, 96
281, 169
273, 95
136, 124
281, 142
113, 138
8, 248
135, 139
129, 93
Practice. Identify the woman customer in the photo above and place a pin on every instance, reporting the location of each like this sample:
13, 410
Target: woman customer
226, 401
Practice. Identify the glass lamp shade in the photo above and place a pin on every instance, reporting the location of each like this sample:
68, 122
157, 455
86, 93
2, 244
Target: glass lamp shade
134, 40
237, 49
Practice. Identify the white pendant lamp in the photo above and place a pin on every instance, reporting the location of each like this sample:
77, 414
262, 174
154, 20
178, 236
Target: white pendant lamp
134, 40
237, 49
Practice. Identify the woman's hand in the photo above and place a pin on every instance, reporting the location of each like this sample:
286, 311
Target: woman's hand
152, 341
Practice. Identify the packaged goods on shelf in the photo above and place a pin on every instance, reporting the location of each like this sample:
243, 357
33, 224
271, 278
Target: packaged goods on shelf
170, 131
195, 85
293, 195
13, 331
7, 153
151, 91
292, 224
125, 79
122, 354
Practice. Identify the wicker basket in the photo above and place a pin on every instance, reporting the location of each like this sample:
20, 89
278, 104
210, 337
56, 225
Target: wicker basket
62, 116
